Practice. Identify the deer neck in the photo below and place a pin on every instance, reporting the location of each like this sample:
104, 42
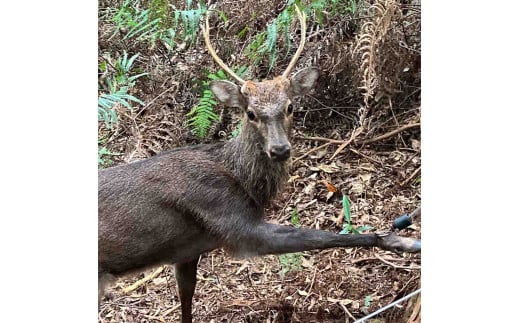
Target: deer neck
260, 176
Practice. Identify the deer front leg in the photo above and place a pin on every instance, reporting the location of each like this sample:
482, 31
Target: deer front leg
267, 238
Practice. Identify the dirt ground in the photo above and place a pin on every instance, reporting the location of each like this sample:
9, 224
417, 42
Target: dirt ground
379, 171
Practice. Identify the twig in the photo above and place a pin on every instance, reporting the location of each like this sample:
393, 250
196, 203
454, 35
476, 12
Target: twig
330, 141
142, 281
341, 142
346, 311
391, 133
365, 156
155, 99
406, 181
312, 284
374, 258
354, 135
311, 151
394, 265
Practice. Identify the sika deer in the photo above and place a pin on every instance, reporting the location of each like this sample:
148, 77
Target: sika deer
172, 207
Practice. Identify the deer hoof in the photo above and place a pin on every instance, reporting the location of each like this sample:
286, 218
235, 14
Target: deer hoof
393, 242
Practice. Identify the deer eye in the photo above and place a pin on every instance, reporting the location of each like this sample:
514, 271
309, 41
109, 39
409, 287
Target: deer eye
289, 109
251, 115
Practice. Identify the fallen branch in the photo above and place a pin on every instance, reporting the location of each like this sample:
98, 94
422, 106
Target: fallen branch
391, 133
406, 181
396, 266
142, 281
341, 142
311, 151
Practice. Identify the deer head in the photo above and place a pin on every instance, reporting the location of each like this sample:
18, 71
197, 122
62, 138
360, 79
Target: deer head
267, 105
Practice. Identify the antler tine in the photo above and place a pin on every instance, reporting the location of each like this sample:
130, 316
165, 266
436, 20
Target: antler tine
217, 59
302, 43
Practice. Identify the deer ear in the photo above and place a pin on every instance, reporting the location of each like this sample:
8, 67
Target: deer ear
228, 93
303, 81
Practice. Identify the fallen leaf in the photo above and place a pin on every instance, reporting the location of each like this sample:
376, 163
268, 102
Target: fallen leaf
309, 189
339, 219
332, 168
159, 281
319, 154
345, 301
365, 178
307, 263
416, 144
302, 293
357, 188
329, 186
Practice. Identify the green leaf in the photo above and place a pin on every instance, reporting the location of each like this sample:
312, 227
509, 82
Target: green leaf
346, 208
364, 228
346, 229
368, 299
223, 16
295, 219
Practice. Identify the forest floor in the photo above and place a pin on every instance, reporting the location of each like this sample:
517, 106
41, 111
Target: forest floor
379, 171
317, 286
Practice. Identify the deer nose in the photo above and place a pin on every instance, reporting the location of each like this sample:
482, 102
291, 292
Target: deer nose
280, 152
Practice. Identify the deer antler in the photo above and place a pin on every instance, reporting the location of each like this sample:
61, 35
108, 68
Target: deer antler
302, 43
226, 68
214, 54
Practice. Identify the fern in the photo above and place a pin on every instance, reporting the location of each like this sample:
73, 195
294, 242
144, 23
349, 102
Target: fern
264, 44
118, 85
155, 22
202, 116
272, 33
107, 103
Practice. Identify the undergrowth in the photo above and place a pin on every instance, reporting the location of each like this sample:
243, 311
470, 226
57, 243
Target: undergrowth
203, 115
158, 22
117, 82
265, 43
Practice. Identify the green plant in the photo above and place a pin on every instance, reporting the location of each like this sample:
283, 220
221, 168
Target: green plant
158, 22
348, 227
264, 44
108, 101
290, 262
134, 22
368, 300
118, 81
202, 116
123, 68
295, 218
104, 157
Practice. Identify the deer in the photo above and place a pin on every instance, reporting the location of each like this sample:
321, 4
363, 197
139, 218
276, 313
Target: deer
173, 207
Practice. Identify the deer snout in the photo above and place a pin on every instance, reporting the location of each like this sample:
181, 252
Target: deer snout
280, 152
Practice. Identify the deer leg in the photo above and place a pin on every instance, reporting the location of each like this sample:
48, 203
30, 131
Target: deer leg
186, 275
267, 238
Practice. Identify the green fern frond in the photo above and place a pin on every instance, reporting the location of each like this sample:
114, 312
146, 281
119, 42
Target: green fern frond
108, 101
272, 34
285, 20
202, 116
